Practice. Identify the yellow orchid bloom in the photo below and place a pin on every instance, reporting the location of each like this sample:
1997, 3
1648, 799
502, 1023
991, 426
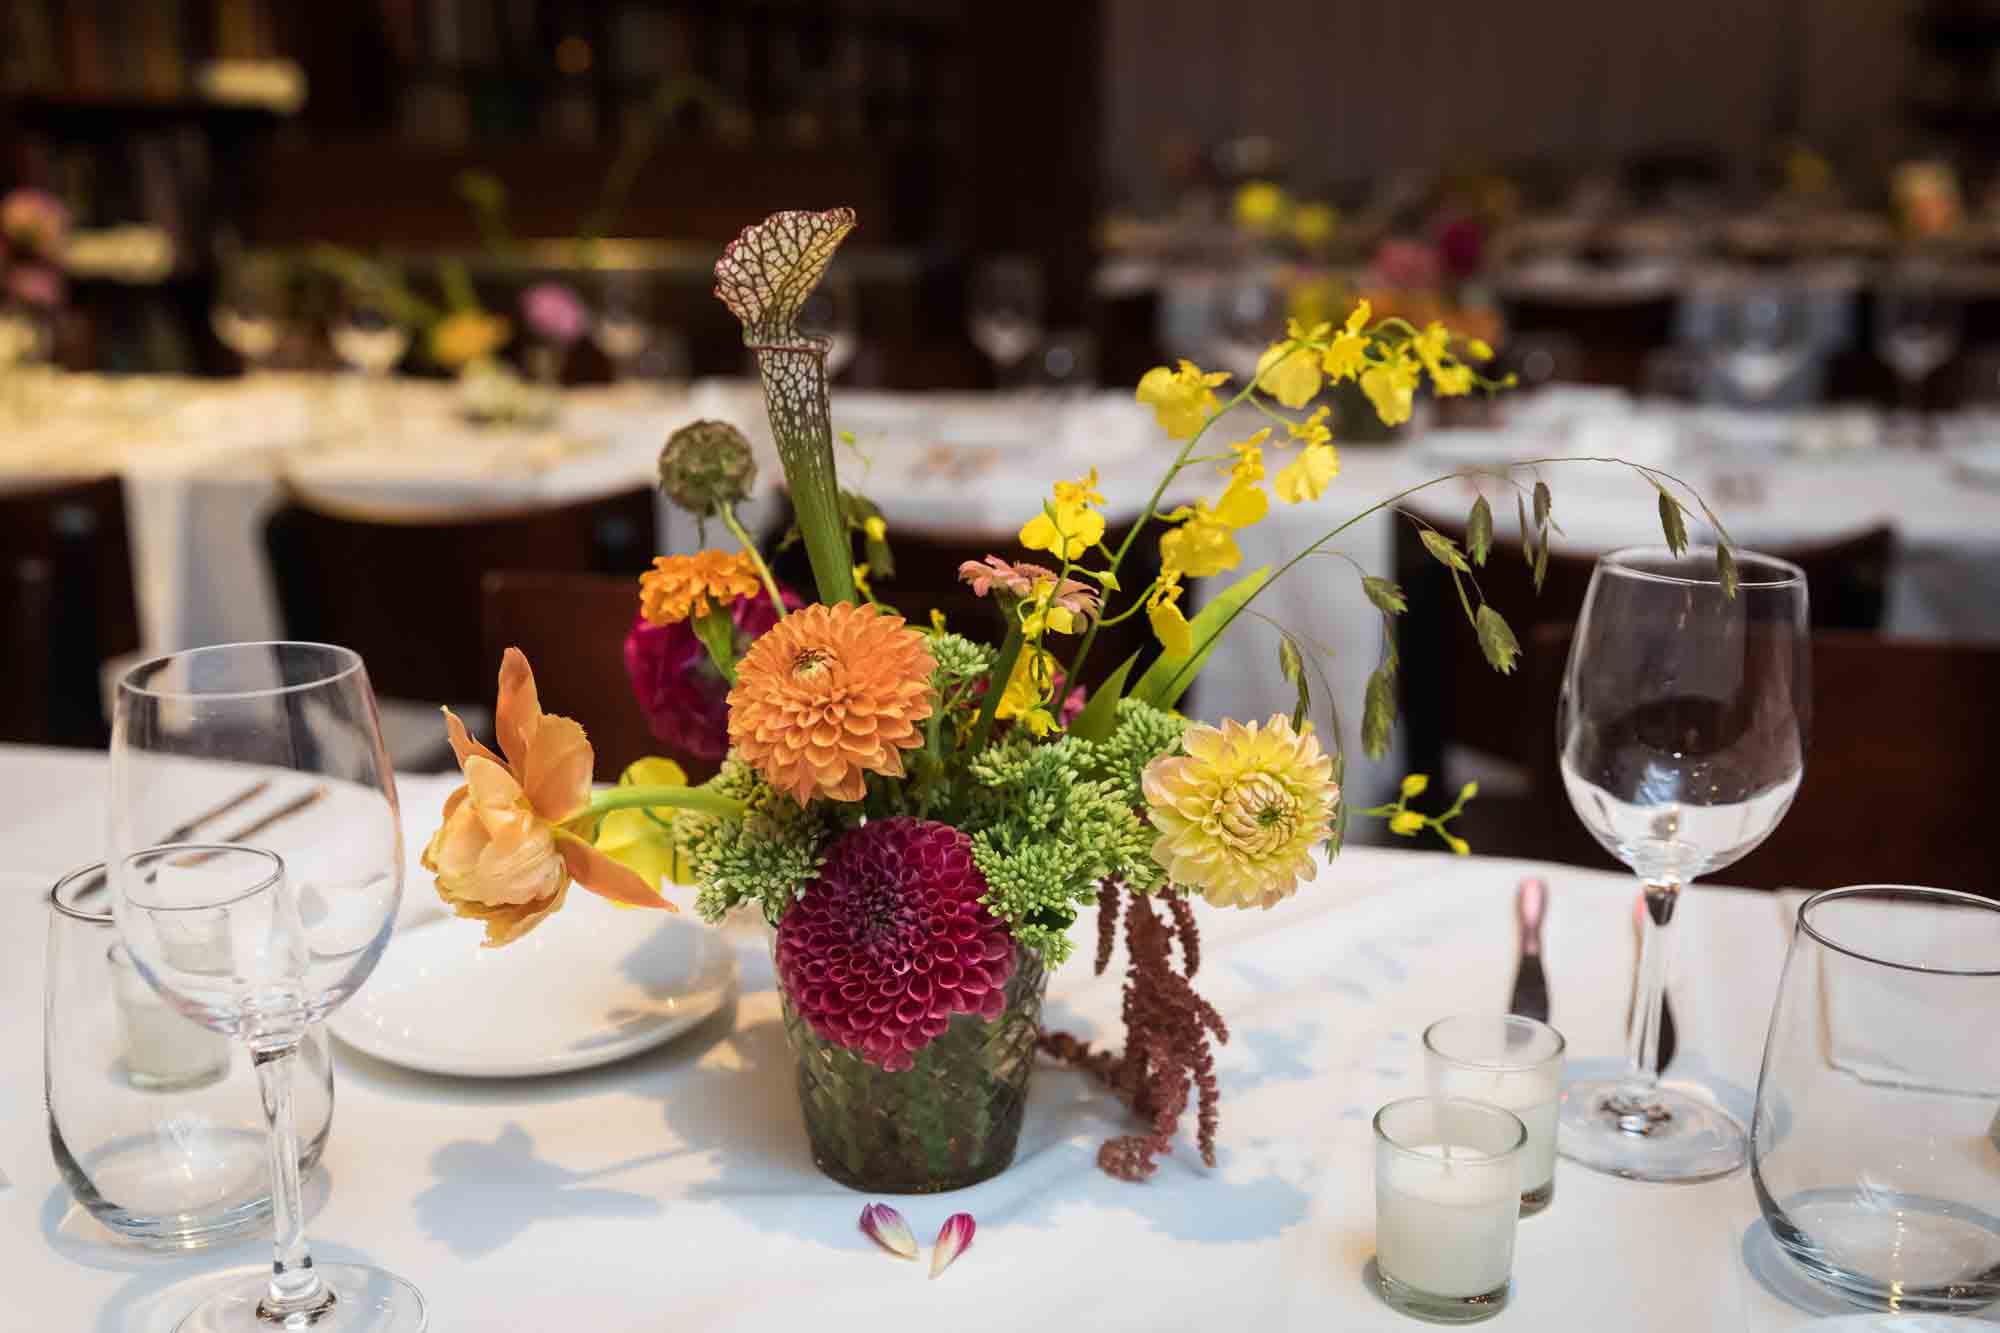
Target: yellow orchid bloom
1290, 373
1392, 387
1449, 377
1347, 355
1203, 544
1170, 624
1307, 476
1182, 399
1028, 686
1312, 430
1069, 527
1407, 823
1249, 465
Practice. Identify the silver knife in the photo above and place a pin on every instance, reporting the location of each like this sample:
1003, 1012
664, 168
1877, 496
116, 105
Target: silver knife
1530, 998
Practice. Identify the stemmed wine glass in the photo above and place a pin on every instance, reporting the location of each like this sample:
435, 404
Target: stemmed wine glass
1762, 338
1004, 312
831, 312
1682, 728
249, 310
264, 933
1916, 332
621, 329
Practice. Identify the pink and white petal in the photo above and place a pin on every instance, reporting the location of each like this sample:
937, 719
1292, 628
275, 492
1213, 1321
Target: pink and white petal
954, 1238
886, 1227
605, 877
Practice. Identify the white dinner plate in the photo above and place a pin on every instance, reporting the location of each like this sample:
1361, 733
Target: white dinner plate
1977, 463
592, 984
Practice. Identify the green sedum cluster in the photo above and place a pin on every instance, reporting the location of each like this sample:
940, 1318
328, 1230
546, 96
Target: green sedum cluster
766, 856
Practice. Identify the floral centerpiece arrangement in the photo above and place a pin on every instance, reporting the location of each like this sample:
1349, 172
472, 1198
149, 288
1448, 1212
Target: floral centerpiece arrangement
921, 817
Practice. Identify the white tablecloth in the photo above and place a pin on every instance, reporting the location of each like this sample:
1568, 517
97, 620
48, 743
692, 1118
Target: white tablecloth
675, 1189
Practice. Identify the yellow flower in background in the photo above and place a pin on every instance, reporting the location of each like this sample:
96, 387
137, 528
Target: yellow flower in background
1415, 784
876, 529
680, 586
1307, 476
1290, 371
1170, 624
1347, 355
1458, 845
1182, 399
1392, 387
1449, 377
465, 336
1408, 823
1479, 349
1240, 810
861, 584
1259, 204
1313, 224
643, 840
1249, 465
1069, 527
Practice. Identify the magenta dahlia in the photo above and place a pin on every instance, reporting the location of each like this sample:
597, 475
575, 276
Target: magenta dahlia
685, 699
891, 940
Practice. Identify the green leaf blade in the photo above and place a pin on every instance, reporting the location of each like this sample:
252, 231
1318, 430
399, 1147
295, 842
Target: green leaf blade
1170, 675
1100, 714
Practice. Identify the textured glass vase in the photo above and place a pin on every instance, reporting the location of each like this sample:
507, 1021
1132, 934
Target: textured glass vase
949, 1121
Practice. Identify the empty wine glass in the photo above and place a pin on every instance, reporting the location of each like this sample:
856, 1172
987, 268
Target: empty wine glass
1683, 726
265, 932
1762, 337
248, 315
1248, 318
367, 338
1005, 311
830, 312
1916, 332
621, 329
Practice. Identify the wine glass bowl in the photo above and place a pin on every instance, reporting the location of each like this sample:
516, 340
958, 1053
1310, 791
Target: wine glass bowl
1916, 325
1874, 1153
1762, 338
1005, 311
1682, 728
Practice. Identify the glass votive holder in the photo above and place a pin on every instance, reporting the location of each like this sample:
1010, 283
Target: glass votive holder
1508, 1061
155, 1122
1447, 1204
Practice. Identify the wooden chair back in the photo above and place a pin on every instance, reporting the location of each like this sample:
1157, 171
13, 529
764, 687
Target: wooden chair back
27, 667
1449, 694
572, 628
78, 534
1895, 788
406, 593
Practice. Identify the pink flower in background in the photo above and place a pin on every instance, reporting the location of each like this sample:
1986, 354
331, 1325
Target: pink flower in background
685, 699
36, 285
891, 940
1405, 265
35, 221
554, 311
1461, 246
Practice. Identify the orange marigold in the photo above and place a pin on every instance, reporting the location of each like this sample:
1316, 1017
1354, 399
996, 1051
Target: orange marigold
828, 694
680, 586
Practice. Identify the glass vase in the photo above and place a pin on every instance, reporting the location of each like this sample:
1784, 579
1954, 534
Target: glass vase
949, 1121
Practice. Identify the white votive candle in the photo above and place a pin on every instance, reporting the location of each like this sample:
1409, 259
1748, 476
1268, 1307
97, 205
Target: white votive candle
1447, 1203
1508, 1061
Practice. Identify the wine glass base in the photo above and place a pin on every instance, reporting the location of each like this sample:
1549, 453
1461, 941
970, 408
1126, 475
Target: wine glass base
366, 1300
1675, 1135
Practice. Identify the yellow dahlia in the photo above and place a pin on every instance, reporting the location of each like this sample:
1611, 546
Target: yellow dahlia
680, 586
828, 694
1238, 814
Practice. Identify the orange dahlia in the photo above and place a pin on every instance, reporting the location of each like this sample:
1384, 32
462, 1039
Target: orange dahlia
828, 694
680, 586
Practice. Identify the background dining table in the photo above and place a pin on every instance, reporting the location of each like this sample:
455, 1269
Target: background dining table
675, 1188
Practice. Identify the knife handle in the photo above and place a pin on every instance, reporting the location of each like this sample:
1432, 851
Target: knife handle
1531, 900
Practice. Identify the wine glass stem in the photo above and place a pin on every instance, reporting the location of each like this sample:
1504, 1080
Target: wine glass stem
295, 1289
1635, 1102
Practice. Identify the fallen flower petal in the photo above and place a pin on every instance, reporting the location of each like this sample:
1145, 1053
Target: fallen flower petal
953, 1240
886, 1227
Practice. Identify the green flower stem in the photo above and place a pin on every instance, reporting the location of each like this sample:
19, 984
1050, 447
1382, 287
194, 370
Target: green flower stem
1380, 505
735, 526
700, 800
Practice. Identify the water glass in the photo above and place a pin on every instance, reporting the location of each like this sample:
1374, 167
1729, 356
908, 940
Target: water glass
1447, 1204
153, 1119
1872, 1147
1508, 1061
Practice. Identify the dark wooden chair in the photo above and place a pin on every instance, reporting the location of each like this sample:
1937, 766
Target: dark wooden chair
27, 667
1450, 696
77, 533
1896, 784
406, 593
573, 627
